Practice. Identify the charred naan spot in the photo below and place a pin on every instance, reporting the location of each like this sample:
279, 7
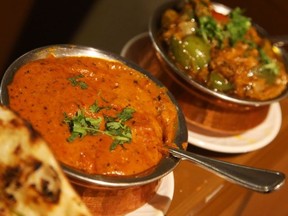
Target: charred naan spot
50, 195
33, 134
36, 165
2, 211
16, 123
47, 184
11, 174
10, 178
17, 150
42, 180
10, 198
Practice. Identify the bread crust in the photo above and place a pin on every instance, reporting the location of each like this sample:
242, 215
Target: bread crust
31, 180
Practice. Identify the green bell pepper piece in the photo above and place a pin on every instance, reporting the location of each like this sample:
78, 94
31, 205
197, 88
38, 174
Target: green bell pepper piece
218, 82
191, 53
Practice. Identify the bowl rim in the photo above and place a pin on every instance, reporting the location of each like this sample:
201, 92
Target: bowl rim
153, 27
165, 166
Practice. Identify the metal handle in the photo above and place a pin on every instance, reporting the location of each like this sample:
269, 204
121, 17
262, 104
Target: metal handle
279, 40
259, 180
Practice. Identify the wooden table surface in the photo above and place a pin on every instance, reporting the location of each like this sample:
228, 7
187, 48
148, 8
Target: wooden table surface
198, 191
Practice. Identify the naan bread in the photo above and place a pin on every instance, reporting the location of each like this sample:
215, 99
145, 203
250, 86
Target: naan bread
31, 181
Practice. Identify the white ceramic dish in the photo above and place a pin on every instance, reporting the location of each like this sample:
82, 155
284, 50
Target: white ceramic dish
251, 140
159, 204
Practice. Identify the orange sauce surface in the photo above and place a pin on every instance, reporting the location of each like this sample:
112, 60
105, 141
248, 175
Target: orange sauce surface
42, 93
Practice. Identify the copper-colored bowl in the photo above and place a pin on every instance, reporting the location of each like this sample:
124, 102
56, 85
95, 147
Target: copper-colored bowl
129, 192
203, 113
192, 85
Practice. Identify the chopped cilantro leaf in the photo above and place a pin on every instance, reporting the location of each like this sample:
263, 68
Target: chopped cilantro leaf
268, 67
126, 114
268, 63
234, 30
75, 81
81, 125
209, 30
237, 26
95, 108
116, 128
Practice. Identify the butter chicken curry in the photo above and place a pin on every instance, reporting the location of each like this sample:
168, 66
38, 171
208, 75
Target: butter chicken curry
98, 116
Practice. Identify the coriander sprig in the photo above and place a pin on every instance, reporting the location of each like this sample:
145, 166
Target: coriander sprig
233, 31
76, 82
116, 128
81, 125
237, 26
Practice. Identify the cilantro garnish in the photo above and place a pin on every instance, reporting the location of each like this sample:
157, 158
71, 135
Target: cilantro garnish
126, 114
234, 30
209, 30
116, 128
75, 81
237, 26
95, 108
268, 67
81, 125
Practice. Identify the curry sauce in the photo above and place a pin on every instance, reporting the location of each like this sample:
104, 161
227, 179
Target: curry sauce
98, 116
225, 53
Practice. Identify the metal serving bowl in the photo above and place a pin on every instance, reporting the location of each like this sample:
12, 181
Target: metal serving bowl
256, 179
192, 85
166, 165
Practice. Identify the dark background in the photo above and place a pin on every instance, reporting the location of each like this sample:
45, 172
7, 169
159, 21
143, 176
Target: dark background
106, 24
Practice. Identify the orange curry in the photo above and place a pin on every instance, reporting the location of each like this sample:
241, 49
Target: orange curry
98, 116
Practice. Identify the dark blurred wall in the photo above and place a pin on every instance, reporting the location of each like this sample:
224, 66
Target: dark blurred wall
50, 22
270, 14
109, 24
13, 14
112, 23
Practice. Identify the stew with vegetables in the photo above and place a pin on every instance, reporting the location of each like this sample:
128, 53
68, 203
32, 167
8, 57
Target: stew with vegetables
222, 51
98, 116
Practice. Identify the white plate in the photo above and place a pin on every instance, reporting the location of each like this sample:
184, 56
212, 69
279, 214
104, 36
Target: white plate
131, 42
160, 203
251, 140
